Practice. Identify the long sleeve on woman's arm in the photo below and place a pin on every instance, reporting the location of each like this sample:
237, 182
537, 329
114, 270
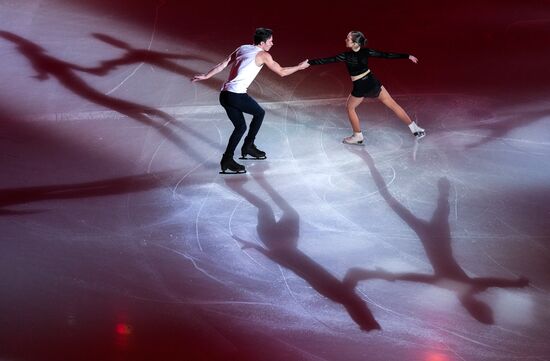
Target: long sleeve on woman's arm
333, 59
382, 54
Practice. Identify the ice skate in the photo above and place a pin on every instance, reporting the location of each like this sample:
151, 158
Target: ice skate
418, 132
252, 151
355, 139
227, 163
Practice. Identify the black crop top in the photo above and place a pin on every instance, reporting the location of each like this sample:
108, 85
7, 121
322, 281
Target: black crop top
357, 61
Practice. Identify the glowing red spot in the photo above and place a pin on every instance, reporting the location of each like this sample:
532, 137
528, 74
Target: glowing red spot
123, 329
433, 356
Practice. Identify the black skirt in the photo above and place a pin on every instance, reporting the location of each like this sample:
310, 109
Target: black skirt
368, 86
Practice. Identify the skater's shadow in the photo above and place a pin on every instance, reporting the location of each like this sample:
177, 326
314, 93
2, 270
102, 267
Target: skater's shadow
46, 66
280, 244
435, 236
499, 126
489, 131
132, 56
121, 185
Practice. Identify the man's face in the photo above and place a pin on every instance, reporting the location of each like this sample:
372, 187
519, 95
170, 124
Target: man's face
266, 45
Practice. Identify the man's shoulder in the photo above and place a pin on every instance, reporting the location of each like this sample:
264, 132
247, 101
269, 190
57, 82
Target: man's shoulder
262, 54
248, 47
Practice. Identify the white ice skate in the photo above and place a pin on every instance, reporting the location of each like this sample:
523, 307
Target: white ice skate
354, 140
420, 134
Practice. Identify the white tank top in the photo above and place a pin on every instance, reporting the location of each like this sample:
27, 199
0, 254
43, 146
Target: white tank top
244, 69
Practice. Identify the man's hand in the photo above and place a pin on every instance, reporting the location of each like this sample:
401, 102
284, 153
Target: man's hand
198, 77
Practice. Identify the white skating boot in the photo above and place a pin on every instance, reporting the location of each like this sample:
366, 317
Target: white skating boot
355, 139
417, 131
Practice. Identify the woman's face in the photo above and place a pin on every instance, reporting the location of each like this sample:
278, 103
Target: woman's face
349, 42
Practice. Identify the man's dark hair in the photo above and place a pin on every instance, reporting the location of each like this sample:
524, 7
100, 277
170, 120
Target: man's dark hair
262, 34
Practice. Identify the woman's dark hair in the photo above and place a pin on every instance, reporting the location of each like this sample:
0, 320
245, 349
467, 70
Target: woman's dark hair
262, 34
358, 37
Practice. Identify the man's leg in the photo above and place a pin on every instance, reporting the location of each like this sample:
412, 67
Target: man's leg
239, 123
228, 101
250, 106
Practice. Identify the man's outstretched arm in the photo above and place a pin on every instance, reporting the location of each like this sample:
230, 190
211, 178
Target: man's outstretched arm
215, 70
267, 59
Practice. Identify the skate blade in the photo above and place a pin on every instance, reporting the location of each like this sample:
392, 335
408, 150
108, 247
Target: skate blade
253, 158
361, 144
232, 172
420, 136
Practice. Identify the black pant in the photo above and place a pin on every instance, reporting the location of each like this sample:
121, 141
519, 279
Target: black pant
235, 104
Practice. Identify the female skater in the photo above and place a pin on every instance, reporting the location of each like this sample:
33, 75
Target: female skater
365, 83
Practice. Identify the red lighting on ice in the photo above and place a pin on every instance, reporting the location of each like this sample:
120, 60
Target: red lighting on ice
123, 329
437, 357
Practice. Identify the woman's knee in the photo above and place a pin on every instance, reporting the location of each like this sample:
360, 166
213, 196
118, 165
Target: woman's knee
351, 106
387, 100
353, 103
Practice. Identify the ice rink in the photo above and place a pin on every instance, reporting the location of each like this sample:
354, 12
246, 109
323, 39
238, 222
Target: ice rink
120, 240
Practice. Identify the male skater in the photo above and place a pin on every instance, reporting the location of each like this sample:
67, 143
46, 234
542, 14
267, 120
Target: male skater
247, 62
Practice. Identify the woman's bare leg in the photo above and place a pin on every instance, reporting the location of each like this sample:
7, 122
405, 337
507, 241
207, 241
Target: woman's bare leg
388, 101
352, 103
